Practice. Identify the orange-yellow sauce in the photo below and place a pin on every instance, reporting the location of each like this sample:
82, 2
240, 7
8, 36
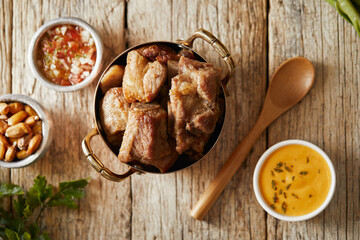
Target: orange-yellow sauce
295, 180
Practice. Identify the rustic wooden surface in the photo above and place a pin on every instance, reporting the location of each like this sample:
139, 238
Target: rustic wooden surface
260, 35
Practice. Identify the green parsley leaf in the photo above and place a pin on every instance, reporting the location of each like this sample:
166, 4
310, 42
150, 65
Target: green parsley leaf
17, 224
27, 210
34, 229
74, 184
10, 222
9, 189
11, 234
43, 190
43, 236
26, 236
63, 202
32, 202
37, 194
74, 193
19, 206
68, 193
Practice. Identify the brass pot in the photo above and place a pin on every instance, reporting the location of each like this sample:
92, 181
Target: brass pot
121, 60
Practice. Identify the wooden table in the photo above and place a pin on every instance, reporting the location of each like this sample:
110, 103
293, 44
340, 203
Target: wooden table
260, 35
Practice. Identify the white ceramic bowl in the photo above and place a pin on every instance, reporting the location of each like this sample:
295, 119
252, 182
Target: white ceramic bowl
46, 130
260, 198
32, 53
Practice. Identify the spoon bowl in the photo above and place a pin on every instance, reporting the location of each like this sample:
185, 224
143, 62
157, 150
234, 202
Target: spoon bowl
290, 83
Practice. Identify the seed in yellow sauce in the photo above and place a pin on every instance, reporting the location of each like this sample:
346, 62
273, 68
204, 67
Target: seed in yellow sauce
295, 180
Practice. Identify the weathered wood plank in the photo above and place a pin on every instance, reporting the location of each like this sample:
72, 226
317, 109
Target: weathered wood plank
5, 67
157, 206
154, 196
314, 30
351, 74
106, 211
334, 120
290, 37
241, 27
5, 46
235, 214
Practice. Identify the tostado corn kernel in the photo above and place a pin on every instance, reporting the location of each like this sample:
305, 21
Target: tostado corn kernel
20, 131
17, 130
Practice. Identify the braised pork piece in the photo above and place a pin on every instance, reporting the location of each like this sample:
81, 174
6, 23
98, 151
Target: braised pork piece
163, 53
167, 106
193, 108
146, 139
142, 79
113, 114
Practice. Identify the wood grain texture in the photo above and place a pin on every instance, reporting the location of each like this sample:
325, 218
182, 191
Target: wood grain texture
260, 35
5, 69
242, 27
153, 196
229, 218
350, 74
327, 116
107, 204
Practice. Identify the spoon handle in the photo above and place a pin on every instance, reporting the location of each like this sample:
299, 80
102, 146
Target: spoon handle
208, 198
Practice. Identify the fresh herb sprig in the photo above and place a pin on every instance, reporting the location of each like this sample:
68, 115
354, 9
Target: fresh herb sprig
19, 223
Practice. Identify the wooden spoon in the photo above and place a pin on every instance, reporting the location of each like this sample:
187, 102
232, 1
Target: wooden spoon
289, 84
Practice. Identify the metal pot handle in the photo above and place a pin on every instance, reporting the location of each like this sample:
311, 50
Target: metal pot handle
219, 47
97, 164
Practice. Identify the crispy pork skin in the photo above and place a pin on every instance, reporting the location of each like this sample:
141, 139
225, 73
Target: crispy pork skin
142, 79
114, 114
156, 52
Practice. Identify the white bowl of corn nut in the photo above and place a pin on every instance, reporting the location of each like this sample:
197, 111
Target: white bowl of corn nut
25, 131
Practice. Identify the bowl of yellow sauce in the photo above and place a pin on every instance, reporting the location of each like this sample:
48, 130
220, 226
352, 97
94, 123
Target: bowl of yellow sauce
294, 180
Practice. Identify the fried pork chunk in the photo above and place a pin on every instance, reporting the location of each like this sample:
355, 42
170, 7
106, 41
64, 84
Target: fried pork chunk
173, 69
146, 140
112, 78
142, 79
159, 53
114, 114
193, 107
164, 53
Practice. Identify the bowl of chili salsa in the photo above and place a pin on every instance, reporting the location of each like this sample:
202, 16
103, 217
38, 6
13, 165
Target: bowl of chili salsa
65, 54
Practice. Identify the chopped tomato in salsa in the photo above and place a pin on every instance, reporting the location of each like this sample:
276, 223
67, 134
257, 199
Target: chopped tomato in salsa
67, 54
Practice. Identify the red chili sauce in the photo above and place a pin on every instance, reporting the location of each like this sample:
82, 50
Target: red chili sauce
67, 54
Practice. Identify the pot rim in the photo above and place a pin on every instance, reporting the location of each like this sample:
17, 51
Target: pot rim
99, 127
